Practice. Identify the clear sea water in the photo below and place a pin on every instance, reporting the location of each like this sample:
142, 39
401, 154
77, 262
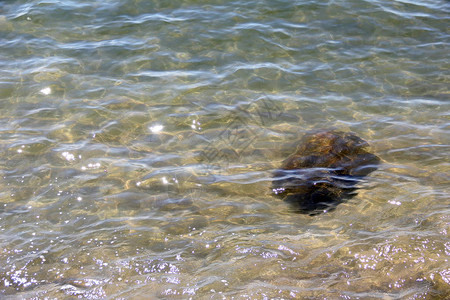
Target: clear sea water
138, 141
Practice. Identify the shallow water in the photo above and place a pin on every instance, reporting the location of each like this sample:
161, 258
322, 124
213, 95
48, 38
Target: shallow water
138, 141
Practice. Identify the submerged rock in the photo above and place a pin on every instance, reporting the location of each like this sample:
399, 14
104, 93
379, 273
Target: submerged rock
323, 171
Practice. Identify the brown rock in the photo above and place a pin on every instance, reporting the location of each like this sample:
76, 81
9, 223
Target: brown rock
323, 171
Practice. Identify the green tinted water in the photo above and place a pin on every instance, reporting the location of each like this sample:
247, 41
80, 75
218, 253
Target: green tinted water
138, 141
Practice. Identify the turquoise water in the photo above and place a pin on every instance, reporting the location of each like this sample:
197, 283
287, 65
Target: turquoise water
138, 141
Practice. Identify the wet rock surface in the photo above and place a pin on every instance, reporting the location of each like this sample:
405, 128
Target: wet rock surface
323, 171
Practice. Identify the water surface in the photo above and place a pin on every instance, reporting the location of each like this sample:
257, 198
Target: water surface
138, 141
